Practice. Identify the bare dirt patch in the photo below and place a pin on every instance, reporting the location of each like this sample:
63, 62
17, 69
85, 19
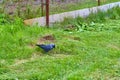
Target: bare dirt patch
70, 28
36, 56
42, 40
18, 62
73, 38
22, 61
46, 39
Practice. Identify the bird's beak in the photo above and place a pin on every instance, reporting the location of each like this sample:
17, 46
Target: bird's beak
54, 46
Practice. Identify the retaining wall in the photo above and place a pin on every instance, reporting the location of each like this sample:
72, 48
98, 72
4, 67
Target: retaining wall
41, 21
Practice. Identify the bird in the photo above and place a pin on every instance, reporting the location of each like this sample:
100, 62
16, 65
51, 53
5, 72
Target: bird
47, 47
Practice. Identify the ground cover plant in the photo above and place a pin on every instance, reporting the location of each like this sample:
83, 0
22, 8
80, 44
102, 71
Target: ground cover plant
81, 53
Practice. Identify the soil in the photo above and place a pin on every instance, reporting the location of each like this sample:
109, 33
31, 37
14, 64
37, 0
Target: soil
46, 39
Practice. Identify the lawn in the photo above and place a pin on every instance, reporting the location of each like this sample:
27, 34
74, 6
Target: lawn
78, 55
85, 49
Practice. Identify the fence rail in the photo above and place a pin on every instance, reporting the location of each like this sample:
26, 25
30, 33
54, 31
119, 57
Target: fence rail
72, 14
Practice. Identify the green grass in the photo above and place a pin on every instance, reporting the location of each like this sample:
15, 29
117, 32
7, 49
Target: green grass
79, 55
59, 8
95, 56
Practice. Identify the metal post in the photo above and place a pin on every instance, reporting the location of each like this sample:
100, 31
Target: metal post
47, 13
98, 2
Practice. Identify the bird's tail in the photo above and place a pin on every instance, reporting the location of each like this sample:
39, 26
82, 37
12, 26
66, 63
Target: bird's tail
39, 44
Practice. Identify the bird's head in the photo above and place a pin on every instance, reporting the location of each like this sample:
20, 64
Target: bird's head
53, 45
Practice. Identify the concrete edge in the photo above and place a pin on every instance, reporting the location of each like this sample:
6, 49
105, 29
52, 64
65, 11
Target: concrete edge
41, 21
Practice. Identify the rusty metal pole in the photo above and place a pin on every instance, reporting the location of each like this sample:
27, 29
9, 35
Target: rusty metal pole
42, 7
47, 13
98, 2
